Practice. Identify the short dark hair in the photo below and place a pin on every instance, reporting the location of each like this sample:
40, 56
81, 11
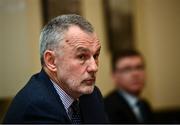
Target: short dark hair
122, 54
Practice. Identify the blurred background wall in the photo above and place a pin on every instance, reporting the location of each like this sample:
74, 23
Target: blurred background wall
156, 28
20, 22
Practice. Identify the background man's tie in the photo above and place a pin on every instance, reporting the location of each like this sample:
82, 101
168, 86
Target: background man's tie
142, 110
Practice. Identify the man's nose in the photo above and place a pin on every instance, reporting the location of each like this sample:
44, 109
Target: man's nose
93, 66
136, 73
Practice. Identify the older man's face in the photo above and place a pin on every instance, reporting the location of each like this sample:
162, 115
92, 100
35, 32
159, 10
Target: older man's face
77, 61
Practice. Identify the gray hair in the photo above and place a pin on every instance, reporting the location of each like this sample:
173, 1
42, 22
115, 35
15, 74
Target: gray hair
54, 31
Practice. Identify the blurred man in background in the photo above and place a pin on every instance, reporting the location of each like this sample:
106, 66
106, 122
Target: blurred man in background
124, 105
64, 91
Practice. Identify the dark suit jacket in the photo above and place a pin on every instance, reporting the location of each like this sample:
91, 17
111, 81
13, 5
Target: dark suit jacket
119, 110
38, 102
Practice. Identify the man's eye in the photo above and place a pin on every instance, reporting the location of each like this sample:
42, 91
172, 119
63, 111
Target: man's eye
96, 56
82, 57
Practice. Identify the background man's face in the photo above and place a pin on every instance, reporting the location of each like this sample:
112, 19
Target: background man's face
77, 63
130, 75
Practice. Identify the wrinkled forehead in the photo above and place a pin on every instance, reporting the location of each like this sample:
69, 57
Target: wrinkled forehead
76, 37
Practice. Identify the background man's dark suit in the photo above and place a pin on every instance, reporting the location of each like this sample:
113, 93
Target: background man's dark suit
119, 110
38, 102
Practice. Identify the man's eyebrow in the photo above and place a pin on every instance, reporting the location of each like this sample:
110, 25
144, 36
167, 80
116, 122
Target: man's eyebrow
82, 49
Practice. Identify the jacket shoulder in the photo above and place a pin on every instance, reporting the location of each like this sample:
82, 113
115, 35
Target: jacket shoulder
36, 102
112, 98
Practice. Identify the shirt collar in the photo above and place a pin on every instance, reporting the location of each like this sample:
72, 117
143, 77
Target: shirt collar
131, 99
66, 99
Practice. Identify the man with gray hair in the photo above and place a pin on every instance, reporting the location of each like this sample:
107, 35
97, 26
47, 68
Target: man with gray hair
64, 91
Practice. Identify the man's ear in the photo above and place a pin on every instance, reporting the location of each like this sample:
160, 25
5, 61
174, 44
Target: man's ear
49, 59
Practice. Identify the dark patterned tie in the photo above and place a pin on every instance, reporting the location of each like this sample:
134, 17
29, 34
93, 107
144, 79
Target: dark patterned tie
75, 116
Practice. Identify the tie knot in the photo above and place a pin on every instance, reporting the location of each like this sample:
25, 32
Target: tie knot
75, 106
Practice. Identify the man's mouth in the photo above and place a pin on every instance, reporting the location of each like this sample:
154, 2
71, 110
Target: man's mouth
90, 81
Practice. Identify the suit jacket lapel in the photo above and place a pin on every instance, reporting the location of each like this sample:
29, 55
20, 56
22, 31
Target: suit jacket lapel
125, 106
92, 108
49, 85
86, 110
